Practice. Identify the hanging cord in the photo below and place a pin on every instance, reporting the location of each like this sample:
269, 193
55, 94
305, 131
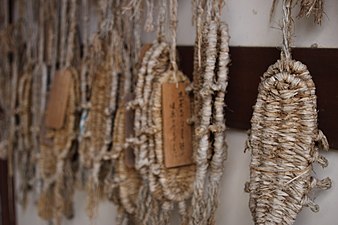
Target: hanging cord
63, 29
199, 13
287, 30
41, 55
85, 20
41, 32
209, 11
84, 69
136, 46
149, 24
71, 31
173, 27
53, 45
161, 21
216, 10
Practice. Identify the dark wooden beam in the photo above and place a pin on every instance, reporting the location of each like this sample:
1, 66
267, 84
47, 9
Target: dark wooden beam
7, 201
7, 195
249, 63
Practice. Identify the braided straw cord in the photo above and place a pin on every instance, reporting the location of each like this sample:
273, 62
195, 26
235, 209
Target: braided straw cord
211, 61
218, 126
202, 133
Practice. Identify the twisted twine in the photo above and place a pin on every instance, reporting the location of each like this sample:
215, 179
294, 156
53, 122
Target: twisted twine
287, 29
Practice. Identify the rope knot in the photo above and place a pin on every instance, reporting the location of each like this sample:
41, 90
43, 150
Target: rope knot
320, 159
306, 201
323, 184
217, 128
201, 131
322, 141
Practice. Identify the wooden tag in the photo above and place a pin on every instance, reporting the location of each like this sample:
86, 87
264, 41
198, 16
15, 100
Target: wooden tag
129, 158
57, 101
177, 134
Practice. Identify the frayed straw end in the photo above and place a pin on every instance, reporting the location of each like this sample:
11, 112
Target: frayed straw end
312, 7
247, 187
45, 205
322, 141
92, 199
311, 204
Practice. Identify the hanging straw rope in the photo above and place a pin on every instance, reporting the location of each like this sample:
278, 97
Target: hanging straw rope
71, 35
314, 7
63, 32
307, 8
149, 24
218, 126
283, 139
173, 29
209, 92
287, 29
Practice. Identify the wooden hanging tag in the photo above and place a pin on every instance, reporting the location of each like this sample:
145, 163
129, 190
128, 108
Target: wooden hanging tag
129, 158
57, 101
177, 134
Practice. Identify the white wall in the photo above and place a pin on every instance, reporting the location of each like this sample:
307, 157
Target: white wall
249, 26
